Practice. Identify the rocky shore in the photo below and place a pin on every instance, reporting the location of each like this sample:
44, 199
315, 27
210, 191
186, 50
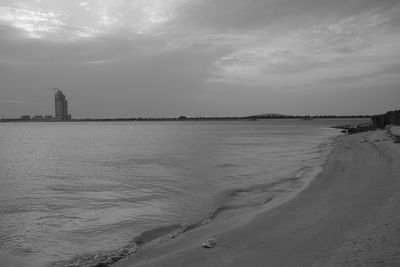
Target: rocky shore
377, 122
356, 128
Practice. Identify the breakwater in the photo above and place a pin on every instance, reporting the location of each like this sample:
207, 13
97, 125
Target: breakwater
389, 118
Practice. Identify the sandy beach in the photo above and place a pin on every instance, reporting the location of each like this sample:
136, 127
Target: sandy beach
348, 216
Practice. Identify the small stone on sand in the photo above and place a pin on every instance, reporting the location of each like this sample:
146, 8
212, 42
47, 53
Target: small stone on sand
210, 243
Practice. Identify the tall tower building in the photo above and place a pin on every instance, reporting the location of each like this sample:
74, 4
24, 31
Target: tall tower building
61, 105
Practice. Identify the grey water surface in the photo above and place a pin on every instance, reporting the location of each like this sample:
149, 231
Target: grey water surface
82, 188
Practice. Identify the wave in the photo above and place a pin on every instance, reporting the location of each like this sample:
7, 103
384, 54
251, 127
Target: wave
245, 197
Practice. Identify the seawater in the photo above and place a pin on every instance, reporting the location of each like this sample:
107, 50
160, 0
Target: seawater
72, 191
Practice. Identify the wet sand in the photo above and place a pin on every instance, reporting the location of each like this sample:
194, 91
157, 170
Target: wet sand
348, 216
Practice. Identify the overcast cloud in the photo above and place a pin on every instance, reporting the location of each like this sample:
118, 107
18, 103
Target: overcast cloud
121, 58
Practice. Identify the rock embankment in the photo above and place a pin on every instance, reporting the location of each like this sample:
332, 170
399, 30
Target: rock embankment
389, 118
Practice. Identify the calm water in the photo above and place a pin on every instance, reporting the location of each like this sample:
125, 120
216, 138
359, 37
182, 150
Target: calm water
74, 190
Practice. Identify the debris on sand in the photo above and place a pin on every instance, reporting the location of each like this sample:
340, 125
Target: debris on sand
210, 243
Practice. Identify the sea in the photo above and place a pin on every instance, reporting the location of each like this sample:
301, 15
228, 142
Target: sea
84, 193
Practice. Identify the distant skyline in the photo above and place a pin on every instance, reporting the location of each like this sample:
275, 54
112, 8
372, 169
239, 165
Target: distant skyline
167, 58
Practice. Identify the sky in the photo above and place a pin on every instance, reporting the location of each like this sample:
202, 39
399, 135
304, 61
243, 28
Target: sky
139, 58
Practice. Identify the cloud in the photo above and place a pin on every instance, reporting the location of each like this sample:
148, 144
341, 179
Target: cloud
35, 22
68, 20
181, 50
330, 49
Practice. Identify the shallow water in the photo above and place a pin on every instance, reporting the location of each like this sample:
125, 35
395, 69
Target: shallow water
74, 190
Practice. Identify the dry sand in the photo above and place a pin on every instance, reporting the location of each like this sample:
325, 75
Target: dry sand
348, 216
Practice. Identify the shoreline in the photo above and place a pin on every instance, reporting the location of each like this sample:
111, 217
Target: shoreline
183, 118
269, 235
251, 200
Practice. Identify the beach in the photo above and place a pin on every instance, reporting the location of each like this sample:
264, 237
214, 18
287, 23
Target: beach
348, 216
81, 194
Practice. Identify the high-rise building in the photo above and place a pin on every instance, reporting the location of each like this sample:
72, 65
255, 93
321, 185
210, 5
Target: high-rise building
61, 104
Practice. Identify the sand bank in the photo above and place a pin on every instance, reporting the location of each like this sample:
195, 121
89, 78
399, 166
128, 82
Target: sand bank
348, 216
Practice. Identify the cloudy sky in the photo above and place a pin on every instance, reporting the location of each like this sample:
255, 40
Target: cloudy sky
124, 58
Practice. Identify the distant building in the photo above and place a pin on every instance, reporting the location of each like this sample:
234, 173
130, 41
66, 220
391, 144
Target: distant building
37, 118
25, 117
61, 105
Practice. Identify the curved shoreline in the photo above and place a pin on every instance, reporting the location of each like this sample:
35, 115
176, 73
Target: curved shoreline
250, 200
270, 195
305, 230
